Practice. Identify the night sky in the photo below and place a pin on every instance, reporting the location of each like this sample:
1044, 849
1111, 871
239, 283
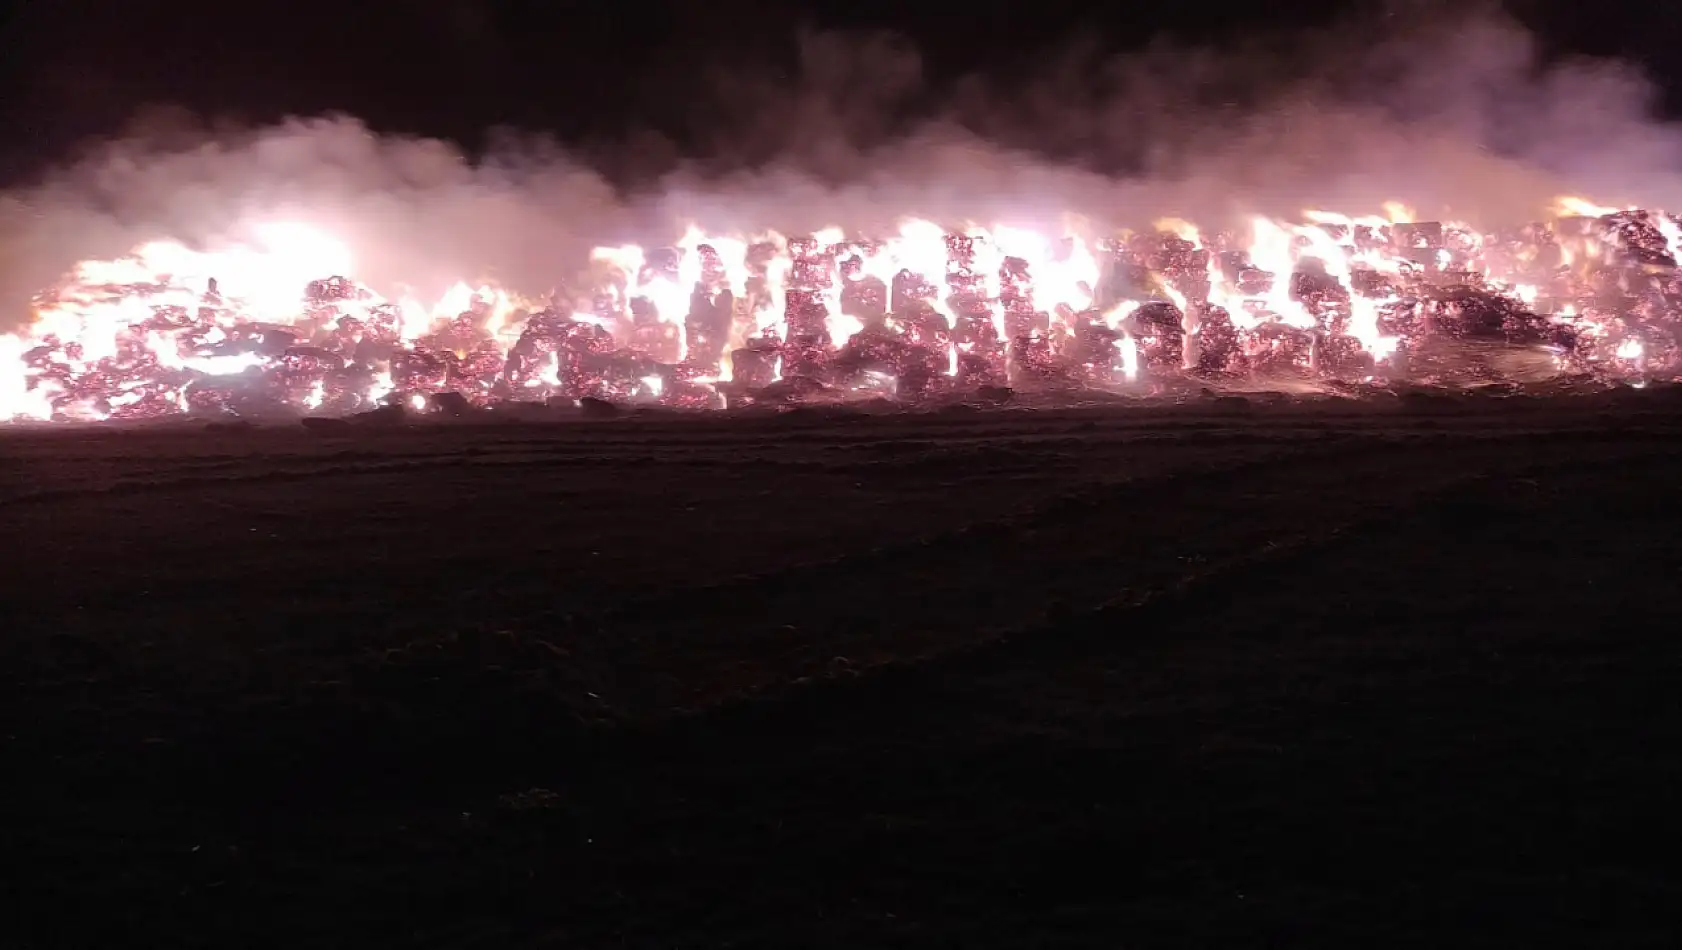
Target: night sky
592, 75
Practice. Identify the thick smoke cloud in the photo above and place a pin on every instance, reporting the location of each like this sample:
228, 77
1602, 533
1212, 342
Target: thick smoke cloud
1452, 116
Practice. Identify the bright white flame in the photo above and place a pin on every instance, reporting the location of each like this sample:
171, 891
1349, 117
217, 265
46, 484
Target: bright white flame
122, 315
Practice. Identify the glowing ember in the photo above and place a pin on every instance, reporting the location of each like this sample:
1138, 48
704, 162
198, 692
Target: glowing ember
279, 324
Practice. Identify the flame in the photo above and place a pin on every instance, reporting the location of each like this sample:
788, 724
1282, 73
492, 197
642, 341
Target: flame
148, 333
1180, 228
1571, 205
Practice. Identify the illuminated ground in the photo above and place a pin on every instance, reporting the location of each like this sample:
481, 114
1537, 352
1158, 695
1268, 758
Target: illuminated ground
1224, 676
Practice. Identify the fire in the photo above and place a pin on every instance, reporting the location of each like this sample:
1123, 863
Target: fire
278, 320
1573, 206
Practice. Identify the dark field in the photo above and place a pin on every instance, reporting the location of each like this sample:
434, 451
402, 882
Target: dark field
1399, 676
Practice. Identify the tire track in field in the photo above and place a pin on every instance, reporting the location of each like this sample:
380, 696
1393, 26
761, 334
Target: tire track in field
1096, 546
860, 458
1123, 622
862, 443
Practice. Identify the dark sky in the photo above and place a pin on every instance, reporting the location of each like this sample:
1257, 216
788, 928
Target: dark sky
584, 72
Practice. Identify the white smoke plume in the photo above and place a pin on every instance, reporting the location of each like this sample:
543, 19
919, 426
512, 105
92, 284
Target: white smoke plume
1451, 114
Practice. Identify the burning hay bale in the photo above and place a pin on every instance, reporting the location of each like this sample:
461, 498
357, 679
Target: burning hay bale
714, 322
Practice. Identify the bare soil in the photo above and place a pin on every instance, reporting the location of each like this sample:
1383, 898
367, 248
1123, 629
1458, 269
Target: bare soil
1338, 675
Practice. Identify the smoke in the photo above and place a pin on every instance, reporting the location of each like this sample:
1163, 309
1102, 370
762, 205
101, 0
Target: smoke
1453, 115
415, 211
